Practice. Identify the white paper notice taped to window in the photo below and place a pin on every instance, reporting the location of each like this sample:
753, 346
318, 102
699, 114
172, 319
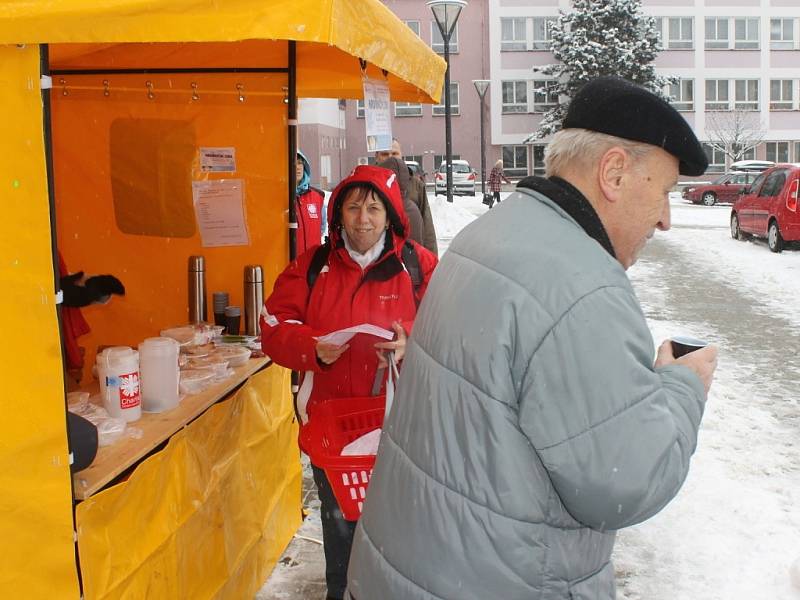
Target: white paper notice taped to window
218, 160
377, 115
220, 212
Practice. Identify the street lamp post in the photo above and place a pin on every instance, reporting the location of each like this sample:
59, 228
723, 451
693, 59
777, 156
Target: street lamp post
446, 13
481, 85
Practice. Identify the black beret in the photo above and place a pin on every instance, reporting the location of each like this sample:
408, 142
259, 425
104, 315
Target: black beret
617, 107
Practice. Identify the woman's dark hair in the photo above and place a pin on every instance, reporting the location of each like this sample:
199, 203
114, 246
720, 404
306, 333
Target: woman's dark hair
360, 191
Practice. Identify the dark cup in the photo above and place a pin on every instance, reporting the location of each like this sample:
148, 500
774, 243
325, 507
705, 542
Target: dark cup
233, 315
682, 345
219, 318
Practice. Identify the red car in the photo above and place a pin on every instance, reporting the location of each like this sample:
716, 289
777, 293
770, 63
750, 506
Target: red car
725, 189
769, 208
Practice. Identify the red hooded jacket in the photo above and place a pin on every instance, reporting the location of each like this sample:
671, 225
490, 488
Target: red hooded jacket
343, 296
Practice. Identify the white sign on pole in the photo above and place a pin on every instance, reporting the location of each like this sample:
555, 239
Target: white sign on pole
377, 115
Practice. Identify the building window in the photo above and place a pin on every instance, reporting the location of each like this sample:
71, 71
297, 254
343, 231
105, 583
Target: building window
778, 151
658, 25
439, 109
746, 97
438, 159
545, 96
413, 26
407, 109
538, 159
682, 94
781, 34
513, 36
780, 94
515, 161
716, 32
749, 154
359, 109
515, 97
679, 34
437, 42
717, 94
542, 33
716, 158
746, 34
797, 152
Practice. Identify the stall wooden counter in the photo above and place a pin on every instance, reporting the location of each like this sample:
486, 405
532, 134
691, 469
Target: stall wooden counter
156, 428
204, 515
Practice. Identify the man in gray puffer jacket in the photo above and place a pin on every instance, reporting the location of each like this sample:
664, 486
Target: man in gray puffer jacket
530, 422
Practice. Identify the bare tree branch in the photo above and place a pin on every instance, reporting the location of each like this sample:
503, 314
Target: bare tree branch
734, 132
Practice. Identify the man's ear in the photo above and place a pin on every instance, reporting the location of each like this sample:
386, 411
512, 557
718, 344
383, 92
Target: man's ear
611, 173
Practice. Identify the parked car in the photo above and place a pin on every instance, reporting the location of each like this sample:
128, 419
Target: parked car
752, 165
463, 178
768, 208
724, 189
414, 166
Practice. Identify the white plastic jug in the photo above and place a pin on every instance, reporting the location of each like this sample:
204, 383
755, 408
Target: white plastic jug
118, 372
158, 364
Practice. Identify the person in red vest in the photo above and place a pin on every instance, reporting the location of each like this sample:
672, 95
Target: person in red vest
311, 221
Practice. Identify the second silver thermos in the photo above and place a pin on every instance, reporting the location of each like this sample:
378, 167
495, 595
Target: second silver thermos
197, 289
253, 298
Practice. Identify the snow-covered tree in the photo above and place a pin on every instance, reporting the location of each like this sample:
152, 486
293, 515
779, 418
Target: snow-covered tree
734, 132
599, 37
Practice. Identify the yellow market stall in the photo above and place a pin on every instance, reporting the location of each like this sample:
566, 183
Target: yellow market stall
106, 107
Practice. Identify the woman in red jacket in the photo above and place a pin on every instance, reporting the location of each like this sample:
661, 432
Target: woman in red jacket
363, 281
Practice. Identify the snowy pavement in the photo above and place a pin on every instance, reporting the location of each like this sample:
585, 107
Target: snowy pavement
733, 531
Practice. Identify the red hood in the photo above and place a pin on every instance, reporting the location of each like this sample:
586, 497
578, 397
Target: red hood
384, 183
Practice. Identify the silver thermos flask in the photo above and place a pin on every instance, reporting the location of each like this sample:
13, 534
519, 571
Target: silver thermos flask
197, 289
253, 298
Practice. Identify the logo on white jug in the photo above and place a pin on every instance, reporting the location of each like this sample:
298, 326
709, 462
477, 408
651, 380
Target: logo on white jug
129, 390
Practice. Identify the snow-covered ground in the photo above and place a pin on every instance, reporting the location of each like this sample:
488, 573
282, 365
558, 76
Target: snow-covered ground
733, 531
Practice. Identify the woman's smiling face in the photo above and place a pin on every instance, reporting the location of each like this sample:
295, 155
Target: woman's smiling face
364, 219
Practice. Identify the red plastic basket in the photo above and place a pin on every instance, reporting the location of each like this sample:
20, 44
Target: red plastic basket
331, 426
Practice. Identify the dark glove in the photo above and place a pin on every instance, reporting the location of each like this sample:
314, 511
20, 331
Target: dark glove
94, 289
104, 285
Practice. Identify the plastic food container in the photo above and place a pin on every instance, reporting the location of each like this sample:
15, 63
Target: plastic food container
218, 365
235, 355
197, 350
194, 381
183, 335
197, 334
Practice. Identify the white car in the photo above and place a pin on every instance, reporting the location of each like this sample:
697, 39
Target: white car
463, 178
752, 165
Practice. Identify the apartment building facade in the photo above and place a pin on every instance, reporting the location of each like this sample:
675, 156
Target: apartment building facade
730, 55
420, 127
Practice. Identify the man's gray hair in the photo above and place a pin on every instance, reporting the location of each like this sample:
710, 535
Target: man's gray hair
582, 148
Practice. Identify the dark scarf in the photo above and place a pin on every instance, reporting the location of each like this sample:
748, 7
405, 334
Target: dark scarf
575, 204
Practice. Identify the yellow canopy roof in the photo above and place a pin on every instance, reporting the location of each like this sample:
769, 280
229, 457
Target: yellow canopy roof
331, 34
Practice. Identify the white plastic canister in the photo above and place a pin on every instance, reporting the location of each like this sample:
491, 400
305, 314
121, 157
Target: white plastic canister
158, 363
118, 372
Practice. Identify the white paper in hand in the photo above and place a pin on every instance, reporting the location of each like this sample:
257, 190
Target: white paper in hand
366, 444
342, 336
